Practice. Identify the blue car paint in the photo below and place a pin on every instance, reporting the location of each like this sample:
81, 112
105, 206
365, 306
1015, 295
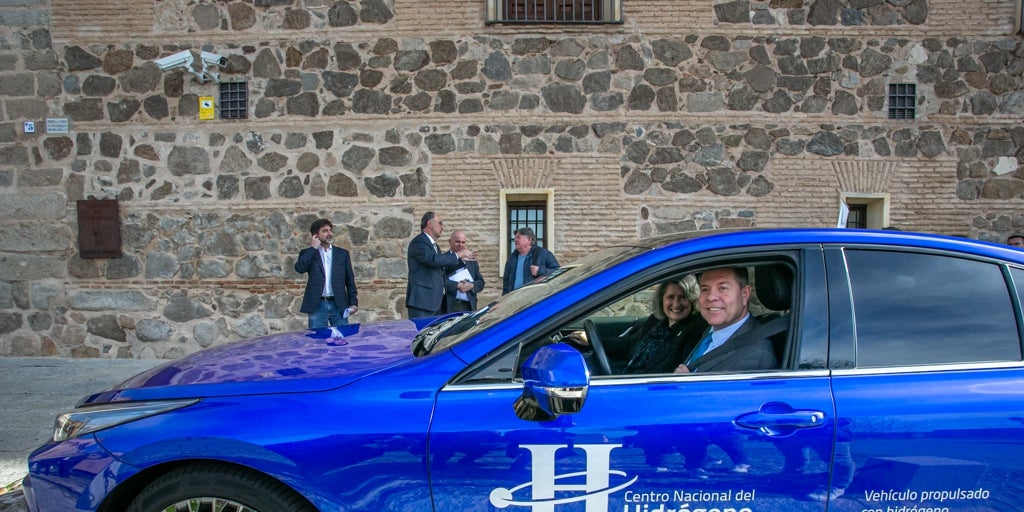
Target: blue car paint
334, 437
359, 424
295, 362
911, 436
470, 460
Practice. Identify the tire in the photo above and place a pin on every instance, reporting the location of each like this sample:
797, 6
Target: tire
216, 486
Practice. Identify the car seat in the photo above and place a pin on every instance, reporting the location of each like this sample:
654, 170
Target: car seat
774, 288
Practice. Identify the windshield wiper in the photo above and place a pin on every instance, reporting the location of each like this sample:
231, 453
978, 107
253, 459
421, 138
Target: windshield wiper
465, 322
424, 342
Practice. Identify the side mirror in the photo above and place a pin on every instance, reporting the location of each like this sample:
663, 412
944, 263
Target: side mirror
555, 382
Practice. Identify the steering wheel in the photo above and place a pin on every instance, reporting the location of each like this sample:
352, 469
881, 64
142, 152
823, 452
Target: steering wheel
595, 343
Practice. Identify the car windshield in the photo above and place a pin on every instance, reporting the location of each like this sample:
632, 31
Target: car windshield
453, 331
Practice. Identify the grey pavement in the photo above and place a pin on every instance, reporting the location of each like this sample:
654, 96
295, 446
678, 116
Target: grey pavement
33, 390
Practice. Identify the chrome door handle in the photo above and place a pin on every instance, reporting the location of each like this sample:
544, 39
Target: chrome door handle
779, 419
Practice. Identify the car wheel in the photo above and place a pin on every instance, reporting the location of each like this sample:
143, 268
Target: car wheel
213, 486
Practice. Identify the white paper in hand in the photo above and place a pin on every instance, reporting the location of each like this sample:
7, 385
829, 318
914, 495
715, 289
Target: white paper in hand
461, 275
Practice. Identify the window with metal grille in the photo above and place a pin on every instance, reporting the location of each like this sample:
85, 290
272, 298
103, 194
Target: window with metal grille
527, 215
554, 11
234, 100
902, 101
858, 217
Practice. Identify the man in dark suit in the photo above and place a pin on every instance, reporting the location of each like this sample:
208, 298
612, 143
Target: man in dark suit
424, 292
461, 295
527, 262
724, 294
330, 295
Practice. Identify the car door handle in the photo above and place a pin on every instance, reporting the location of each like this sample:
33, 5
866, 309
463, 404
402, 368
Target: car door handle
779, 419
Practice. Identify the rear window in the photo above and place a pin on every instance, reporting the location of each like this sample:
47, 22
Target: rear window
917, 309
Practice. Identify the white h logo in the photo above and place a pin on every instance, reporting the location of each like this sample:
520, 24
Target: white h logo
594, 490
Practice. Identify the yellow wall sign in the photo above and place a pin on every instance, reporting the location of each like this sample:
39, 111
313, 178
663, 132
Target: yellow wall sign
205, 107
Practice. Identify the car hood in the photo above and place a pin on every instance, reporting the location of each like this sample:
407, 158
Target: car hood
294, 362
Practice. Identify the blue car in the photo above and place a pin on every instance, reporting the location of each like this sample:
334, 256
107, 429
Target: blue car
845, 370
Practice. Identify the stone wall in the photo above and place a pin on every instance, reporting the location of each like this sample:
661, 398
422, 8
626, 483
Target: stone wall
371, 112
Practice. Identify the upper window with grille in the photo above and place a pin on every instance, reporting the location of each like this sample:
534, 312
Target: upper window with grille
902, 101
554, 11
234, 100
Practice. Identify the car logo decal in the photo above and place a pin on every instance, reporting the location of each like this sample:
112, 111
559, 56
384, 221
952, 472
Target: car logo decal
594, 490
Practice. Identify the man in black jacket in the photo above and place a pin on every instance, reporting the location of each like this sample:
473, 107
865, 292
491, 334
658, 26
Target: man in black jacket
424, 292
527, 262
330, 294
461, 295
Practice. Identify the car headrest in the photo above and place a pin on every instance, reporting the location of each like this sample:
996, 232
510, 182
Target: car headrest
774, 286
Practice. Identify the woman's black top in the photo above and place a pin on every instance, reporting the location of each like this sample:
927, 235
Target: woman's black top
651, 346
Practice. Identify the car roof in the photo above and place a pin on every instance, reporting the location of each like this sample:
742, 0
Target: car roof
723, 238
643, 253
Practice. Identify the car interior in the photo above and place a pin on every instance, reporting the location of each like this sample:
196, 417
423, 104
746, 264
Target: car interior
771, 302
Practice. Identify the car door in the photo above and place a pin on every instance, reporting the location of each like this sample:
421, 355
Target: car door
927, 364
753, 441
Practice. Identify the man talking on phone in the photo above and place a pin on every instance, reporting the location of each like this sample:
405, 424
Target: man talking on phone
330, 295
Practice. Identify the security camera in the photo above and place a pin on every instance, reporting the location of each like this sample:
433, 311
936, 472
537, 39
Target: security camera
212, 59
182, 59
185, 59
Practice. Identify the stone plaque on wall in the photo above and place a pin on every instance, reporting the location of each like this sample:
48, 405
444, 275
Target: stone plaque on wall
99, 229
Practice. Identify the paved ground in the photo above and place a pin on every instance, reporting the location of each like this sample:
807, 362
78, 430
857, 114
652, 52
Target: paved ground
33, 390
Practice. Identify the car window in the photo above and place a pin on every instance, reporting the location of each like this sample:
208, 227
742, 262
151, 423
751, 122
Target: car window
636, 337
468, 326
549, 285
917, 309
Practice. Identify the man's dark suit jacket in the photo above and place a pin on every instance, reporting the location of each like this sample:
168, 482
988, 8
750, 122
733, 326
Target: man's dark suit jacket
343, 280
425, 287
737, 354
537, 256
451, 287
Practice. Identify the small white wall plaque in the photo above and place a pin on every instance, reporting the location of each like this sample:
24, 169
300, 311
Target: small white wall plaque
56, 125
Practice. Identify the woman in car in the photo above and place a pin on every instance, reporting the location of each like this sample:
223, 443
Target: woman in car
656, 343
